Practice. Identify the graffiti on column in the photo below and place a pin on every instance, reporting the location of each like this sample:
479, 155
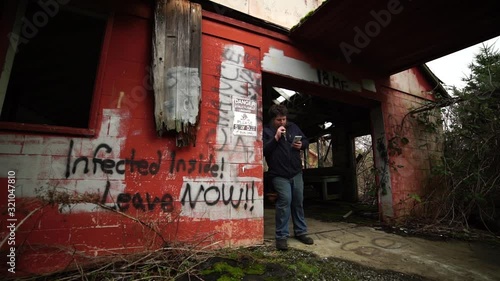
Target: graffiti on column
235, 82
243, 85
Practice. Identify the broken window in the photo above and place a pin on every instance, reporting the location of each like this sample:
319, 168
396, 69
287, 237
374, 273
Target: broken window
50, 67
320, 153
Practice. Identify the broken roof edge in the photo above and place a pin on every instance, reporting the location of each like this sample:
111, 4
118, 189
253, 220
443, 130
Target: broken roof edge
304, 19
436, 82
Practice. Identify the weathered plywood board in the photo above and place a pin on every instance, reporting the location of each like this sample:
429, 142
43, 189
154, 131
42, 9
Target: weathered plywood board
177, 68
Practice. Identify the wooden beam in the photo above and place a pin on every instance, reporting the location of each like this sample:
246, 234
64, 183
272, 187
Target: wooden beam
177, 68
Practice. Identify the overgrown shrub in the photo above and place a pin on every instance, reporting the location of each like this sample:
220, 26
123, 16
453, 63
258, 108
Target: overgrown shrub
469, 189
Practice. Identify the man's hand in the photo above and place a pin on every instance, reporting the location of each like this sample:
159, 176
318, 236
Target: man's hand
281, 131
297, 145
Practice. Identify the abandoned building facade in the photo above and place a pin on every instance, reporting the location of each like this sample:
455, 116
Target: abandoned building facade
129, 125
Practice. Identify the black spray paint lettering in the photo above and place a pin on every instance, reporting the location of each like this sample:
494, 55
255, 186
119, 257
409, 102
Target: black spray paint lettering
138, 202
329, 79
194, 165
242, 90
235, 80
231, 56
239, 80
220, 193
144, 202
242, 81
239, 146
218, 120
220, 116
223, 122
363, 250
109, 166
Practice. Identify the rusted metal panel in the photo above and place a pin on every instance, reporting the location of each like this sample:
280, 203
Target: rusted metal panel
177, 68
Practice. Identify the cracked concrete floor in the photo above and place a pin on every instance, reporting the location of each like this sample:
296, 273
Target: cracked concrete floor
436, 260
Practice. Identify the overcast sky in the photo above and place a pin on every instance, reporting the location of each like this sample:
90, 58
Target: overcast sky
452, 68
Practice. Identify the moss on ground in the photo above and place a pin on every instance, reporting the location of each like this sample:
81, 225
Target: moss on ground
266, 264
228, 272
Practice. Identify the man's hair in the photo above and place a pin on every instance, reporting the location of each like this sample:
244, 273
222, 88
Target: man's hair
277, 110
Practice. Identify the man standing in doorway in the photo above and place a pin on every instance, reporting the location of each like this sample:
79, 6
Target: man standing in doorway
283, 142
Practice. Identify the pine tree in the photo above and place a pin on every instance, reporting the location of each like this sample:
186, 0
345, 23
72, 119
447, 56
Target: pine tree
472, 146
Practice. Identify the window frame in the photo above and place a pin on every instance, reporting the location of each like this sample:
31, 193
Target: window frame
94, 115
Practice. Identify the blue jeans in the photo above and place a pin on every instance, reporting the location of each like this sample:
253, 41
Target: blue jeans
289, 203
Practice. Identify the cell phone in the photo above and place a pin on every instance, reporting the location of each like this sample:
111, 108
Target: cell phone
297, 138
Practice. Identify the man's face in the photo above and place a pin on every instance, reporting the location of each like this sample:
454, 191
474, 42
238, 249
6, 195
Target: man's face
279, 121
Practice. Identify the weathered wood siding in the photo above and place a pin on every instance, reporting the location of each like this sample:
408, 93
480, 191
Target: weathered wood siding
177, 68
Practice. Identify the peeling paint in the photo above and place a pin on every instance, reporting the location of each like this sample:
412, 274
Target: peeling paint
275, 61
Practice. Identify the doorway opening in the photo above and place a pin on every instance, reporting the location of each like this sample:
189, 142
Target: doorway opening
329, 164
365, 170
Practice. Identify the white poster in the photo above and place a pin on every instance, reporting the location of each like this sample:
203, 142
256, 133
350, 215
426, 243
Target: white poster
245, 117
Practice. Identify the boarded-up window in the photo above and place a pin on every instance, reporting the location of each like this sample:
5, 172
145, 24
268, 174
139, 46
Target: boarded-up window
176, 68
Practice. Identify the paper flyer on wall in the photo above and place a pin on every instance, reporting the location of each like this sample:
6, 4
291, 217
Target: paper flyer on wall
245, 117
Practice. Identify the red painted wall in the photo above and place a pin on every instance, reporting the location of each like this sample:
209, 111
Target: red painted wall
411, 167
208, 194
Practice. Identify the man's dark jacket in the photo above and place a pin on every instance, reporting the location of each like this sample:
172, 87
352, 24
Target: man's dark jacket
283, 160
